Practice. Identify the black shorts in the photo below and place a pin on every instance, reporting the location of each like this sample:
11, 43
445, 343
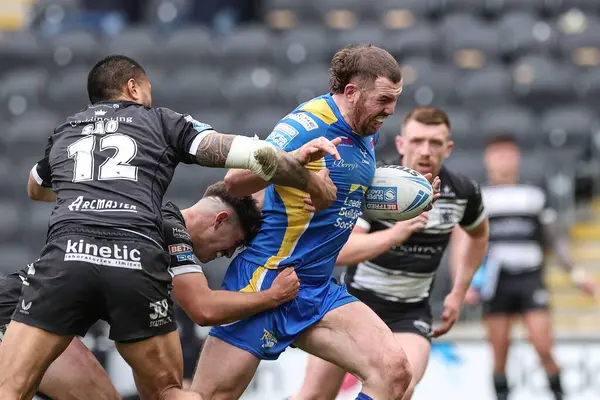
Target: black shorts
399, 317
80, 279
518, 293
10, 291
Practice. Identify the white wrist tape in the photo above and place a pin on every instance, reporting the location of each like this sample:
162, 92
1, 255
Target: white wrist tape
243, 155
578, 276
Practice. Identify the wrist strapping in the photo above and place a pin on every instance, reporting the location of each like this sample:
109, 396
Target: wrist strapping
243, 155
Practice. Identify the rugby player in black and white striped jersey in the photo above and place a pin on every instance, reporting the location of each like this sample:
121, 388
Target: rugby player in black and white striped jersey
393, 266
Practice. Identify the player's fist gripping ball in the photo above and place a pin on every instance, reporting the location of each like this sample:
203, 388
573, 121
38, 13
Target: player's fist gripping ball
397, 193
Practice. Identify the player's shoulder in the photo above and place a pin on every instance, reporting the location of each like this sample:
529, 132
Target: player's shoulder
314, 115
174, 227
458, 184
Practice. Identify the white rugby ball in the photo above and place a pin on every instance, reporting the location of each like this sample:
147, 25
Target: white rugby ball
397, 193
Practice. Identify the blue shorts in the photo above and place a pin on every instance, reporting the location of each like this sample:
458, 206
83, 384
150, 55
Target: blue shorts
268, 334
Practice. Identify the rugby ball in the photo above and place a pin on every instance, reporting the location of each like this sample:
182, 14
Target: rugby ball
397, 193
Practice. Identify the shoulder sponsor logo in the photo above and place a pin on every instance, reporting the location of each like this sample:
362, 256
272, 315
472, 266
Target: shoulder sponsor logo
100, 205
305, 120
117, 255
198, 126
278, 139
180, 233
286, 130
182, 251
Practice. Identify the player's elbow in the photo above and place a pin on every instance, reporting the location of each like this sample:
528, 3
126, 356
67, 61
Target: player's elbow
202, 316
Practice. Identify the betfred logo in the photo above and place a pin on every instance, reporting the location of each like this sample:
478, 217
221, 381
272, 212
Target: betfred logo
116, 255
179, 248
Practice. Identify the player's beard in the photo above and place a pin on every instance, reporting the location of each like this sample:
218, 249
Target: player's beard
363, 121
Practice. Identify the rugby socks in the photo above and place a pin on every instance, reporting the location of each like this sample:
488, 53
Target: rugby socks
362, 396
501, 386
555, 386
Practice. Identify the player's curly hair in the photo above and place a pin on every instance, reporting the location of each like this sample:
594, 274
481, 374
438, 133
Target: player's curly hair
363, 62
108, 77
245, 207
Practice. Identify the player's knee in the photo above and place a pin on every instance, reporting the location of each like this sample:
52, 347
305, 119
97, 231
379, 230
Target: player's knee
395, 372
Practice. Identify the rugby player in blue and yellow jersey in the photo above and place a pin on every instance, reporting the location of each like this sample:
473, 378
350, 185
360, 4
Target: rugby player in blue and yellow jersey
324, 320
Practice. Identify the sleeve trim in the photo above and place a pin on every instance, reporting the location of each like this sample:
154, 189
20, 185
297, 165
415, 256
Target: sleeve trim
364, 224
36, 175
186, 269
198, 139
476, 223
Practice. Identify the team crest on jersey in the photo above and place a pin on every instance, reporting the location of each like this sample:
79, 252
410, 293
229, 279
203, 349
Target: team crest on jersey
182, 251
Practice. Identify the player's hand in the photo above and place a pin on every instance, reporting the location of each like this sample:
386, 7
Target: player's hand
472, 297
589, 287
436, 183
285, 287
321, 189
308, 205
317, 149
452, 304
403, 229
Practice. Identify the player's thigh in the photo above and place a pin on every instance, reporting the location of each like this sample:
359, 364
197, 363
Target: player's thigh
76, 374
354, 338
224, 371
157, 363
417, 349
26, 352
538, 323
322, 380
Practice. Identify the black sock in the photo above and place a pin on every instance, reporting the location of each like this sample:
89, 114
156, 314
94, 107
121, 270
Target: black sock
501, 386
555, 386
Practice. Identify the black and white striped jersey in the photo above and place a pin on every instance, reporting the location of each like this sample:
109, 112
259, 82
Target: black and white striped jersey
405, 273
517, 215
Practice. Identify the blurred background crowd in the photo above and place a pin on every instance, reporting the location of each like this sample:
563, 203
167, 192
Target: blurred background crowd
525, 67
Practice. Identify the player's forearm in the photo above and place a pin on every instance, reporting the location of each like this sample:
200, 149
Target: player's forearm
223, 307
466, 257
39, 193
264, 160
560, 244
241, 182
366, 246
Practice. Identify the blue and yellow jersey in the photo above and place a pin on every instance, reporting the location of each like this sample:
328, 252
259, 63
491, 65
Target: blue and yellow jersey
290, 235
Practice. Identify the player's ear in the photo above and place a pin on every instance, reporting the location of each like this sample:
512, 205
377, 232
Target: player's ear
221, 218
133, 90
351, 91
399, 140
449, 148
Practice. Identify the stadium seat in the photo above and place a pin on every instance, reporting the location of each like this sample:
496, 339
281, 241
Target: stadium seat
475, 7
11, 220
261, 121
194, 86
396, 14
303, 46
540, 82
365, 33
67, 92
190, 182
341, 14
533, 169
191, 45
20, 48
587, 85
421, 40
22, 89
464, 128
78, 47
427, 82
497, 7
253, 86
514, 120
468, 163
468, 42
15, 256
580, 39
286, 14
523, 33
36, 222
305, 84
486, 87
247, 45
221, 119
141, 43
30, 132
569, 127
